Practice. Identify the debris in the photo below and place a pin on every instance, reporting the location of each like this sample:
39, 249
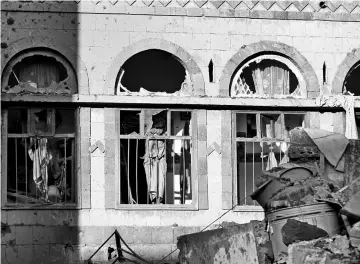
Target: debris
352, 208
295, 231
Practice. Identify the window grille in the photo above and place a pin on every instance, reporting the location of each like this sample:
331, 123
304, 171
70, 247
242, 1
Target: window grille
156, 152
262, 143
40, 156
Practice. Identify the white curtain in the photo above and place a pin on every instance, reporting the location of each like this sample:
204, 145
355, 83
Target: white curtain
271, 79
41, 74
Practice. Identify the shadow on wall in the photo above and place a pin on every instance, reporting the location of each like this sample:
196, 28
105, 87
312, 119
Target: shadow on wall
35, 235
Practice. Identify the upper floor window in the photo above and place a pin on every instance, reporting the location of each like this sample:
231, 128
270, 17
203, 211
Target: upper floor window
268, 75
40, 72
156, 153
153, 71
351, 83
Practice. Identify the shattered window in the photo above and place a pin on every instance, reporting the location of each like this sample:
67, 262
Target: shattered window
40, 156
153, 71
351, 84
156, 150
262, 143
268, 75
39, 72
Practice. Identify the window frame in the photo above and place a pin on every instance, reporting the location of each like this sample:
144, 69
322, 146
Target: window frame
253, 208
194, 161
4, 158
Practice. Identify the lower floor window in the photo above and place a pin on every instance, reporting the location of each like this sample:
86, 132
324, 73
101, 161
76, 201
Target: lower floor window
262, 143
156, 152
40, 156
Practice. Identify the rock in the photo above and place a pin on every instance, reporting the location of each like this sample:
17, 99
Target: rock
340, 245
322, 193
352, 208
294, 231
355, 235
296, 174
308, 199
279, 204
293, 194
299, 137
321, 251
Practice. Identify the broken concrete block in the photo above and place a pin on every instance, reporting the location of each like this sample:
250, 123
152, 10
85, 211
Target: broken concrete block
299, 137
322, 251
354, 235
340, 245
235, 244
293, 194
352, 208
294, 231
322, 193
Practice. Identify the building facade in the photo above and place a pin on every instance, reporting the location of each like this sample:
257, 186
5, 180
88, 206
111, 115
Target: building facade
156, 117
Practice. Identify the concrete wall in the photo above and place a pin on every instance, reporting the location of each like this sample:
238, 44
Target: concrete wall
97, 39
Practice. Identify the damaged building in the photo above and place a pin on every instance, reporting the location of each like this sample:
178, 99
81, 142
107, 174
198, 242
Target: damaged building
150, 121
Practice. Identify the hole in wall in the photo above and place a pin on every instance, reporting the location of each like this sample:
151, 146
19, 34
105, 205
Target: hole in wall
152, 70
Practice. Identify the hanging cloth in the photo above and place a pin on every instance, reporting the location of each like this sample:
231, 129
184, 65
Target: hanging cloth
272, 162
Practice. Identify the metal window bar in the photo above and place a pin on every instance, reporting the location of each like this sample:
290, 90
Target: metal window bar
65, 170
136, 171
165, 192
245, 201
16, 171
128, 171
253, 168
26, 169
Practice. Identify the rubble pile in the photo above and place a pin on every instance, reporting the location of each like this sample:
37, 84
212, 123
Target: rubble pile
323, 172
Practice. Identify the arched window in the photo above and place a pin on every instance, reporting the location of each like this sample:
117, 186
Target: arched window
268, 75
351, 83
153, 71
39, 71
41, 139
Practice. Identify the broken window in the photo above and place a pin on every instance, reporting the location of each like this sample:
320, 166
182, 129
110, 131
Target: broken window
268, 75
40, 156
153, 71
39, 71
351, 83
262, 142
156, 152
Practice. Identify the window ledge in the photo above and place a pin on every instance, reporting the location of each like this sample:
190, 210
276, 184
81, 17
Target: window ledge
157, 207
248, 208
41, 207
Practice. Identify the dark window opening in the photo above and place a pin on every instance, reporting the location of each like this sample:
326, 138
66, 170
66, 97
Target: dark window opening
152, 71
211, 71
351, 83
41, 156
38, 71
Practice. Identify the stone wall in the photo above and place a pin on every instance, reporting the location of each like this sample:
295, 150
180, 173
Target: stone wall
97, 37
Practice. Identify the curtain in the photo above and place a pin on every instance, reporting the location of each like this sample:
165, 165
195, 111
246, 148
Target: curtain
271, 78
40, 75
